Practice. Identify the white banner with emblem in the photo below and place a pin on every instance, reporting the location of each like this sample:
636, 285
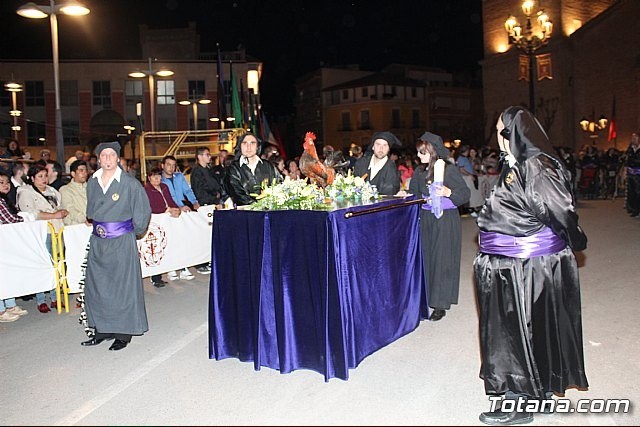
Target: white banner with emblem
169, 244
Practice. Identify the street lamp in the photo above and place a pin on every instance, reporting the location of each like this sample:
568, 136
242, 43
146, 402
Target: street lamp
194, 103
593, 127
527, 41
34, 11
150, 73
253, 80
14, 88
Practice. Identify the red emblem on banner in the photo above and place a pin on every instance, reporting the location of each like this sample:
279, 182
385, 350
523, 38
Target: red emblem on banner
151, 247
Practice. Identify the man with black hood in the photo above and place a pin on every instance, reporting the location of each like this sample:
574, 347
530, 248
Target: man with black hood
249, 172
119, 210
526, 275
376, 166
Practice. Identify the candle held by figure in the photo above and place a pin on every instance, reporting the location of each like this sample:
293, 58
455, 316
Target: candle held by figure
435, 188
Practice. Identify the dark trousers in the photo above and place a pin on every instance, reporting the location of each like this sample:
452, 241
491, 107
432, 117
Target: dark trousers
106, 336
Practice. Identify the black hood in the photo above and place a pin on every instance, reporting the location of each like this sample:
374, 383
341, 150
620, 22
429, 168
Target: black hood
391, 139
526, 136
438, 145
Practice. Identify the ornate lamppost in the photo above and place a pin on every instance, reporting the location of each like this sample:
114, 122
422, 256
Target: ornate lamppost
528, 41
592, 126
35, 11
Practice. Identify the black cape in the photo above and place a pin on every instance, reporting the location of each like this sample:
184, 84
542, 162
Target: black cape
530, 314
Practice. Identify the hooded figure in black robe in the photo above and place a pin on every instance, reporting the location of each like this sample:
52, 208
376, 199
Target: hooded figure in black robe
441, 238
526, 274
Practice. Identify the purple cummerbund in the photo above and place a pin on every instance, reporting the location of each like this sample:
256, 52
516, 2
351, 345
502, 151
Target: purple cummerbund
446, 204
544, 242
111, 230
633, 171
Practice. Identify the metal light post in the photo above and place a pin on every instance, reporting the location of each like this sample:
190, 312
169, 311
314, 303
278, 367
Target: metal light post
150, 73
528, 42
32, 10
253, 80
593, 127
194, 103
14, 88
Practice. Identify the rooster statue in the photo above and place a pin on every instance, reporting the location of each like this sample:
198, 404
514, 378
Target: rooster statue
311, 165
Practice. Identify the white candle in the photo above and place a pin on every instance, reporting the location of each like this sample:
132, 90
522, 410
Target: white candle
438, 171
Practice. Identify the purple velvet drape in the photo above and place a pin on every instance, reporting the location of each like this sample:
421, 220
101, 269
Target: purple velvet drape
313, 290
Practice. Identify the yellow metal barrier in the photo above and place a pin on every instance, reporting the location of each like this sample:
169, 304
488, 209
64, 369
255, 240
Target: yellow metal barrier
59, 267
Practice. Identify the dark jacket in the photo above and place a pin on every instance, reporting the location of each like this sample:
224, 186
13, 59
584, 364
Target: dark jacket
205, 186
240, 183
387, 180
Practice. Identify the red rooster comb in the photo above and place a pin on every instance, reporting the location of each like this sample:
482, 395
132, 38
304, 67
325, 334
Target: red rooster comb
310, 135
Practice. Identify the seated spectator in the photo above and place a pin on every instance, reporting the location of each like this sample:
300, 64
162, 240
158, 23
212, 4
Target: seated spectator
74, 194
405, 167
79, 154
9, 311
92, 164
19, 171
180, 192
294, 170
45, 155
55, 177
205, 185
43, 202
13, 150
278, 162
161, 202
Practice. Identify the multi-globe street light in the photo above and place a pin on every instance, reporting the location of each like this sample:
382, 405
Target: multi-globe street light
35, 11
529, 42
14, 88
194, 103
150, 73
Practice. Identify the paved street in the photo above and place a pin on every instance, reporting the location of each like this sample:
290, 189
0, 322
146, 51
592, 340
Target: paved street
427, 377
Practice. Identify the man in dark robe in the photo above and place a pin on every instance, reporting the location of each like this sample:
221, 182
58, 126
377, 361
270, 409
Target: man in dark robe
376, 165
528, 290
119, 209
249, 172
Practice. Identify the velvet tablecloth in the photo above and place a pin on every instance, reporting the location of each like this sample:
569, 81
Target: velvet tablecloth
311, 289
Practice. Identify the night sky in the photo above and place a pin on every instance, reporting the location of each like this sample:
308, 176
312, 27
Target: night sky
291, 37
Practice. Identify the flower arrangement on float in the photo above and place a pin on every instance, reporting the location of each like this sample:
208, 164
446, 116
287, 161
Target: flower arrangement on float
351, 187
289, 194
299, 194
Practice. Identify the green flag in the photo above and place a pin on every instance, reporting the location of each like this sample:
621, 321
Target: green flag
235, 101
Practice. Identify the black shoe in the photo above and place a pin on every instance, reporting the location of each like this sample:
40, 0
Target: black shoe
93, 341
118, 345
159, 284
437, 314
499, 418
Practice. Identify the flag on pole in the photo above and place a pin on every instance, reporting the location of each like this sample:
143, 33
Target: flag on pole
235, 99
613, 134
222, 107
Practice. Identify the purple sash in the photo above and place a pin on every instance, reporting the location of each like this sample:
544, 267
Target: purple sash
545, 242
633, 171
446, 204
111, 230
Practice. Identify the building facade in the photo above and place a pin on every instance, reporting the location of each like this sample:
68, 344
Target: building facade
404, 99
593, 60
98, 97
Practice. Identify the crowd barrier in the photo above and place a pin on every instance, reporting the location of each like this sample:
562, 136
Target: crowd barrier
27, 267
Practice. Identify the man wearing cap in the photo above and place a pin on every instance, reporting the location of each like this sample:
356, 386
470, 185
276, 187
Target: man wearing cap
119, 209
376, 166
